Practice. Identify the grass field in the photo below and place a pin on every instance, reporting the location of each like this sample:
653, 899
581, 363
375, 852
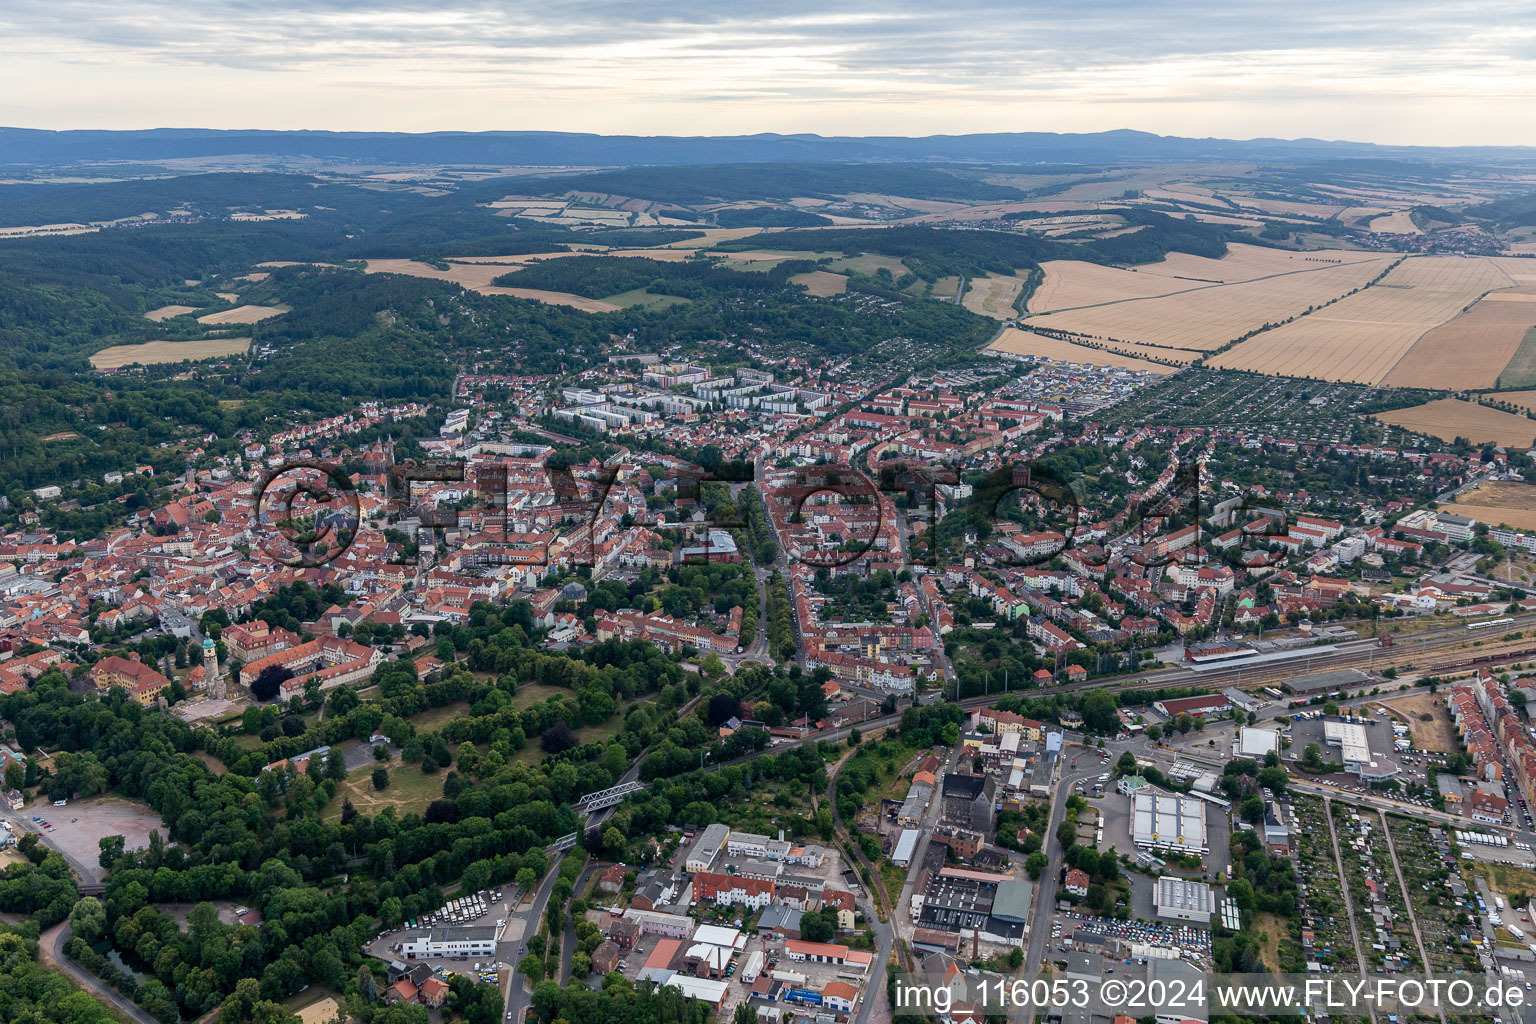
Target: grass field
822, 282
1364, 336
409, 791
1471, 351
1507, 502
993, 296
644, 299
435, 718
1270, 929
166, 312
1450, 418
1520, 371
167, 352
529, 694
1029, 343
243, 315
869, 263
1201, 315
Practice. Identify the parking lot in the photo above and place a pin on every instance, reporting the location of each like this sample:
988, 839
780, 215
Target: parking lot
76, 829
1114, 938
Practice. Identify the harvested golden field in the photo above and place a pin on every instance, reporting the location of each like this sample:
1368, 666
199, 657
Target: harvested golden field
762, 259
1450, 418
1399, 222
903, 202
477, 272
580, 302
243, 315
1031, 344
822, 282
1362, 337
1071, 284
1504, 502
230, 297
167, 352
166, 312
993, 296
1471, 350
1206, 316
1525, 400
1248, 263
713, 236
1285, 208
1521, 271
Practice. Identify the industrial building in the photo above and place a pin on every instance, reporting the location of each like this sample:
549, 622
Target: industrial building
1179, 899
1168, 821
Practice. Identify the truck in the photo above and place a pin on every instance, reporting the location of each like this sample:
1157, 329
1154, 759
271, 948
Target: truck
1498, 901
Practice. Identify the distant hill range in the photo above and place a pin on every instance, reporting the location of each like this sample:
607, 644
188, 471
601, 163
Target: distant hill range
21, 147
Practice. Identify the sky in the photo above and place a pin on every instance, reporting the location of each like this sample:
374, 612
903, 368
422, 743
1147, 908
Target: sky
1449, 73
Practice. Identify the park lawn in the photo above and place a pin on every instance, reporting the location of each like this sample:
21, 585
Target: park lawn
529, 694
434, 719
409, 791
603, 732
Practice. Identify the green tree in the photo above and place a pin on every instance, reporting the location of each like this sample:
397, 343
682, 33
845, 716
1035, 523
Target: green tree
88, 919
1035, 864
380, 778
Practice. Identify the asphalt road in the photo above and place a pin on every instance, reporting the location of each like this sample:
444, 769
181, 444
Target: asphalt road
53, 942
568, 944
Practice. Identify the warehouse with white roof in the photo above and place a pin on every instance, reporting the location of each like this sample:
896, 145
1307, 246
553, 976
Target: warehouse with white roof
1168, 821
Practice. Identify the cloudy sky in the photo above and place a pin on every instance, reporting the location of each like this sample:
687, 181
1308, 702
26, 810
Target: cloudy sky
1454, 72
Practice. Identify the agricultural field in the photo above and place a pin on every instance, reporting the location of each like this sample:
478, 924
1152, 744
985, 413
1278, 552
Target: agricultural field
1029, 343
166, 312
151, 352
553, 298
1071, 284
1450, 418
822, 282
992, 296
1399, 222
1518, 401
1472, 350
1201, 316
767, 259
243, 315
1364, 336
1520, 371
1505, 502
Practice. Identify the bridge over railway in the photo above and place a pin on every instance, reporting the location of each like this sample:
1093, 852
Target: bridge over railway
605, 798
